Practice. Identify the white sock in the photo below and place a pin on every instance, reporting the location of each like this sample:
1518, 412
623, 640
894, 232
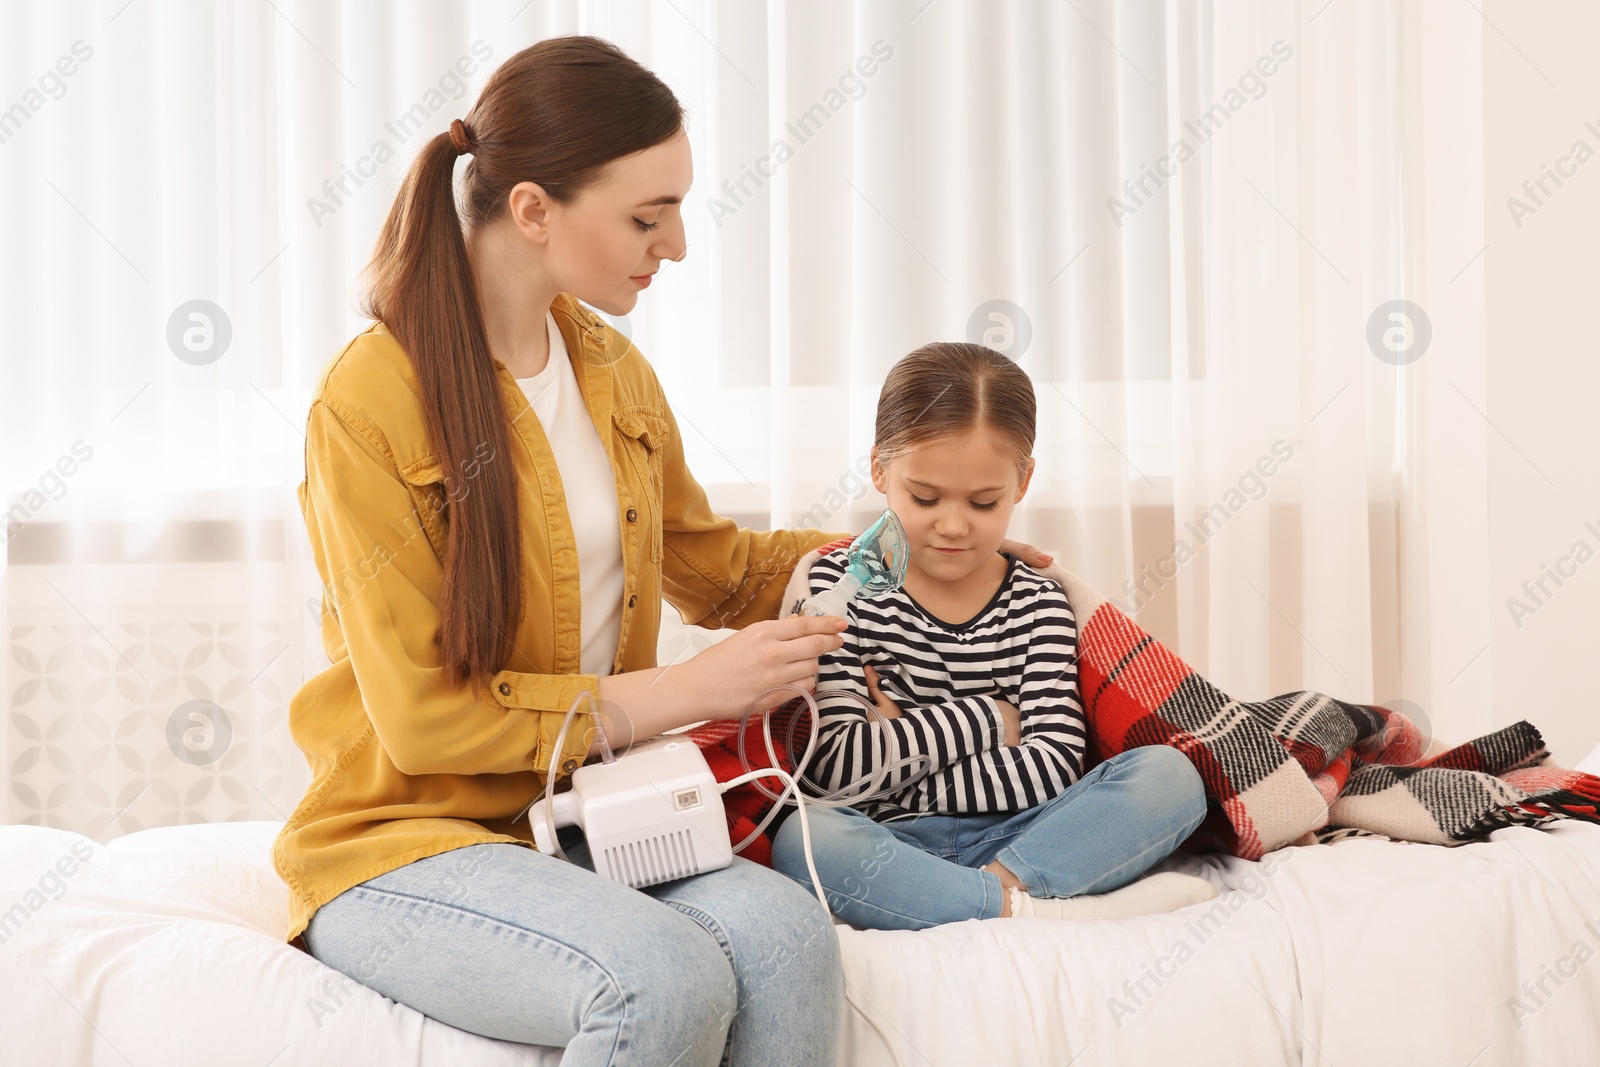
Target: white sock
1150, 895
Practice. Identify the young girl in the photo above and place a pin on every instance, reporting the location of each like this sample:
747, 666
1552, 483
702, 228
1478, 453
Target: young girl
986, 810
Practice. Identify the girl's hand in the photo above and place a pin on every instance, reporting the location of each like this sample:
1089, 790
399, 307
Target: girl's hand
1027, 553
1013, 720
732, 673
890, 709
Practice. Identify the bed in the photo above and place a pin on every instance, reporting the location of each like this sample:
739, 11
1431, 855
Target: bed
163, 948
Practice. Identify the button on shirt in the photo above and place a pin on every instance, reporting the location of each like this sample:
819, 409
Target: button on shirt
591, 493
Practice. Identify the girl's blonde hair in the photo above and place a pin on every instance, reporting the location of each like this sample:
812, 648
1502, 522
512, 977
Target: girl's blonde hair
949, 388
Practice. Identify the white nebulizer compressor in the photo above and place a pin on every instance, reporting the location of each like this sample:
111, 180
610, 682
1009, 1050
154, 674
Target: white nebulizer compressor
654, 812
650, 816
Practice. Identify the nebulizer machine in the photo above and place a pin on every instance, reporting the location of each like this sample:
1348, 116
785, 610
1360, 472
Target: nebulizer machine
654, 812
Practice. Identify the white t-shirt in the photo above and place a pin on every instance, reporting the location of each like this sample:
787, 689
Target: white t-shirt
591, 492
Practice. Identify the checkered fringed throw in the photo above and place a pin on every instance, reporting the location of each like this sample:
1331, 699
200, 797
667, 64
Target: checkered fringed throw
1298, 769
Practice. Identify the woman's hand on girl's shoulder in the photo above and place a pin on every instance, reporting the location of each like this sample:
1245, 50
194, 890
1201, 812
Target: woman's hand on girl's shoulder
1027, 553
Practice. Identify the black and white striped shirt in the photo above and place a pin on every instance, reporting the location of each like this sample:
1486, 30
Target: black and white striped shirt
1022, 647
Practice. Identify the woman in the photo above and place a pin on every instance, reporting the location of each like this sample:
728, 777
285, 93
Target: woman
497, 501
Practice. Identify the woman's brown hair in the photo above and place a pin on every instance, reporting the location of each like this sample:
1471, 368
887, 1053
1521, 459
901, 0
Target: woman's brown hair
555, 113
950, 388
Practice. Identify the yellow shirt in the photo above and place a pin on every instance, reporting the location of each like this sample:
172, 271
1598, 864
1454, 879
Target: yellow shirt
407, 760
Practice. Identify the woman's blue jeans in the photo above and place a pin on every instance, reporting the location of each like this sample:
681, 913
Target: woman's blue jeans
1116, 822
735, 966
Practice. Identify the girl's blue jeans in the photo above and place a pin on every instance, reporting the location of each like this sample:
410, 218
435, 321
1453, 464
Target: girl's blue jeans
735, 966
1123, 817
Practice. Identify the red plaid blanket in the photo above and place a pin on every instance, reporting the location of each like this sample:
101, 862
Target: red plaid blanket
1300, 768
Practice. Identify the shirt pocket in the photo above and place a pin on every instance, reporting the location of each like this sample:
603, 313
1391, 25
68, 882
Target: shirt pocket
642, 434
425, 481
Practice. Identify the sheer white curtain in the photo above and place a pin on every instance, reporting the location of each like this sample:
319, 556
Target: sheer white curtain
1183, 218
869, 177
1356, 184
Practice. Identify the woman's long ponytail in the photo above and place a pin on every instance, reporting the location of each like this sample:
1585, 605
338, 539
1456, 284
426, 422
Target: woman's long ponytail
555, 113
422, 291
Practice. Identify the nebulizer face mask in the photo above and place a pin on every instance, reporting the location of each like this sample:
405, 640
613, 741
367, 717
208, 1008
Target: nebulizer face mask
875, 563
654, 812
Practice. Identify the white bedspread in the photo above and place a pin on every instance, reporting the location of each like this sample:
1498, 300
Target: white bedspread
163, 950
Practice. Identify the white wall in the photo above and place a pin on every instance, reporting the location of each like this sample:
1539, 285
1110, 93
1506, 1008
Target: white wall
1542, 284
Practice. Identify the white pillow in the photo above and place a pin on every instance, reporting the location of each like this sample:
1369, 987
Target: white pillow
1590, 764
